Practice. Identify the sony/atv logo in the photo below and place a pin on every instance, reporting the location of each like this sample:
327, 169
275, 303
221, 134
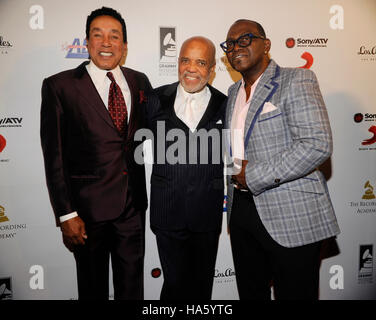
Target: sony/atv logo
317, 42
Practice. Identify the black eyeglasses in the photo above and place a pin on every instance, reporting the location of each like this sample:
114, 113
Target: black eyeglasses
243, 41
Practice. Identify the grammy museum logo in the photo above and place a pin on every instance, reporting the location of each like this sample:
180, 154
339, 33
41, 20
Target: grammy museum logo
167, 51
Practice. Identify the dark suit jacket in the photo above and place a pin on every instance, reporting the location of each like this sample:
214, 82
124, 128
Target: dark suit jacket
186, 196
89, 166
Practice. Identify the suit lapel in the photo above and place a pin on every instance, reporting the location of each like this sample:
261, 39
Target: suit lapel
135, 115
212, 108
232, 95
265, 89
89, 93
168, 101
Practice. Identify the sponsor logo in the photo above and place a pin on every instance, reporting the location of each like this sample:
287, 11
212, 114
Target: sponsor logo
167, 51
371, 140
3, 143
367, 53
3, 217
367, 204
359, 117
224, 276
223, 65
156, 272
76, 50
290, 43
11, 122
5, 45
304, 43
309, 60
6, 289
368, 194
8, 231
365, 272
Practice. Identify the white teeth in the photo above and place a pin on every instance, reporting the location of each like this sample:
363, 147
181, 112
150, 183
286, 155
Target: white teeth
190, 78
106, 54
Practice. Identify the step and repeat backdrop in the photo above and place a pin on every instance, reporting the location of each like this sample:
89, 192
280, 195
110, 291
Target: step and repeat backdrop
334, 38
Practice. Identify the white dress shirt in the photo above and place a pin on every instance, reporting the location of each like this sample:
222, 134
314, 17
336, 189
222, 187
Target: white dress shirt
102, 84
198, 102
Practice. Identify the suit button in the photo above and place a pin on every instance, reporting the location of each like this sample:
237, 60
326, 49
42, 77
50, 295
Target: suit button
277, 181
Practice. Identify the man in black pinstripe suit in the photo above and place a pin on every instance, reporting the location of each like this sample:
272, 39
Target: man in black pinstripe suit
187, 187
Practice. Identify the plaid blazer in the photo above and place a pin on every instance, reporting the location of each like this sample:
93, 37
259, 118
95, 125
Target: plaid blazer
284, 148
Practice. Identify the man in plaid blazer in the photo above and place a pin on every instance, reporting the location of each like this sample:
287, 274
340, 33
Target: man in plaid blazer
279, 208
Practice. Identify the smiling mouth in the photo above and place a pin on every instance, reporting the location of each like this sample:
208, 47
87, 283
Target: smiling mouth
239, 56
191, 78
105, 54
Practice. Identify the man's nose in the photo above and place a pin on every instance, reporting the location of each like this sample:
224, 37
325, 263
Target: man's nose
192, 67
106, 41
236, 46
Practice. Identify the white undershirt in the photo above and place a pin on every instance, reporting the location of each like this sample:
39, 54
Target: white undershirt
199, 103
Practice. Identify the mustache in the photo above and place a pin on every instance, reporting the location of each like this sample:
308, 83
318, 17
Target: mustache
192, 74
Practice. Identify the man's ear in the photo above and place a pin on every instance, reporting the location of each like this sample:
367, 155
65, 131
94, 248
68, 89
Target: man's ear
267, 45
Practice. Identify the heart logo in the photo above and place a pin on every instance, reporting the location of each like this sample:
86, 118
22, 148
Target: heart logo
3, 143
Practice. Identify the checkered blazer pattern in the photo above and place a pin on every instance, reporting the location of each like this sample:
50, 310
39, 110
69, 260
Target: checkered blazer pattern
284, 148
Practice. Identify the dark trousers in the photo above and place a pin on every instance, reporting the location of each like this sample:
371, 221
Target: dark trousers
121, 239
260, 261
188, 263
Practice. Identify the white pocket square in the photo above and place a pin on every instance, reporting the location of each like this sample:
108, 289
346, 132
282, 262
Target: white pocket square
268, 107
219, 121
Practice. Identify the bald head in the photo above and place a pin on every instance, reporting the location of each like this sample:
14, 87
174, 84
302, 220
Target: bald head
196, 63
259, 27
201, 41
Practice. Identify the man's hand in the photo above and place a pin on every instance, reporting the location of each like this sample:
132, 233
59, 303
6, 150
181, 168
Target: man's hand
74, 232
239, 179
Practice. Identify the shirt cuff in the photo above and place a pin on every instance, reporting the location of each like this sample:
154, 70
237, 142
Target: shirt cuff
68, 216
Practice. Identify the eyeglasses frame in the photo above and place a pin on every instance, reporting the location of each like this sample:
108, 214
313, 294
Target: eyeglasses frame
251, 35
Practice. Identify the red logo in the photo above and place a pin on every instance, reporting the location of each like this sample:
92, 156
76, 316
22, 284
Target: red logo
309, 60
3, 143
358, 117
370, 140
290, 43
156, 273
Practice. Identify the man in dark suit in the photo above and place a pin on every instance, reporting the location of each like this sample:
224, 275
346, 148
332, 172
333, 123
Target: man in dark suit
187, 187
88, 119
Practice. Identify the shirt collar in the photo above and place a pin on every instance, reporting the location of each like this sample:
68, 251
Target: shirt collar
99, 75
196, 96
253, 87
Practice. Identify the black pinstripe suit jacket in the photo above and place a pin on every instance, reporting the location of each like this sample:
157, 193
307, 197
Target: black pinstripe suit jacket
187, 194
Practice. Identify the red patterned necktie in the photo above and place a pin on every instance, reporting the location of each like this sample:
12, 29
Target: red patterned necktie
116, 105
